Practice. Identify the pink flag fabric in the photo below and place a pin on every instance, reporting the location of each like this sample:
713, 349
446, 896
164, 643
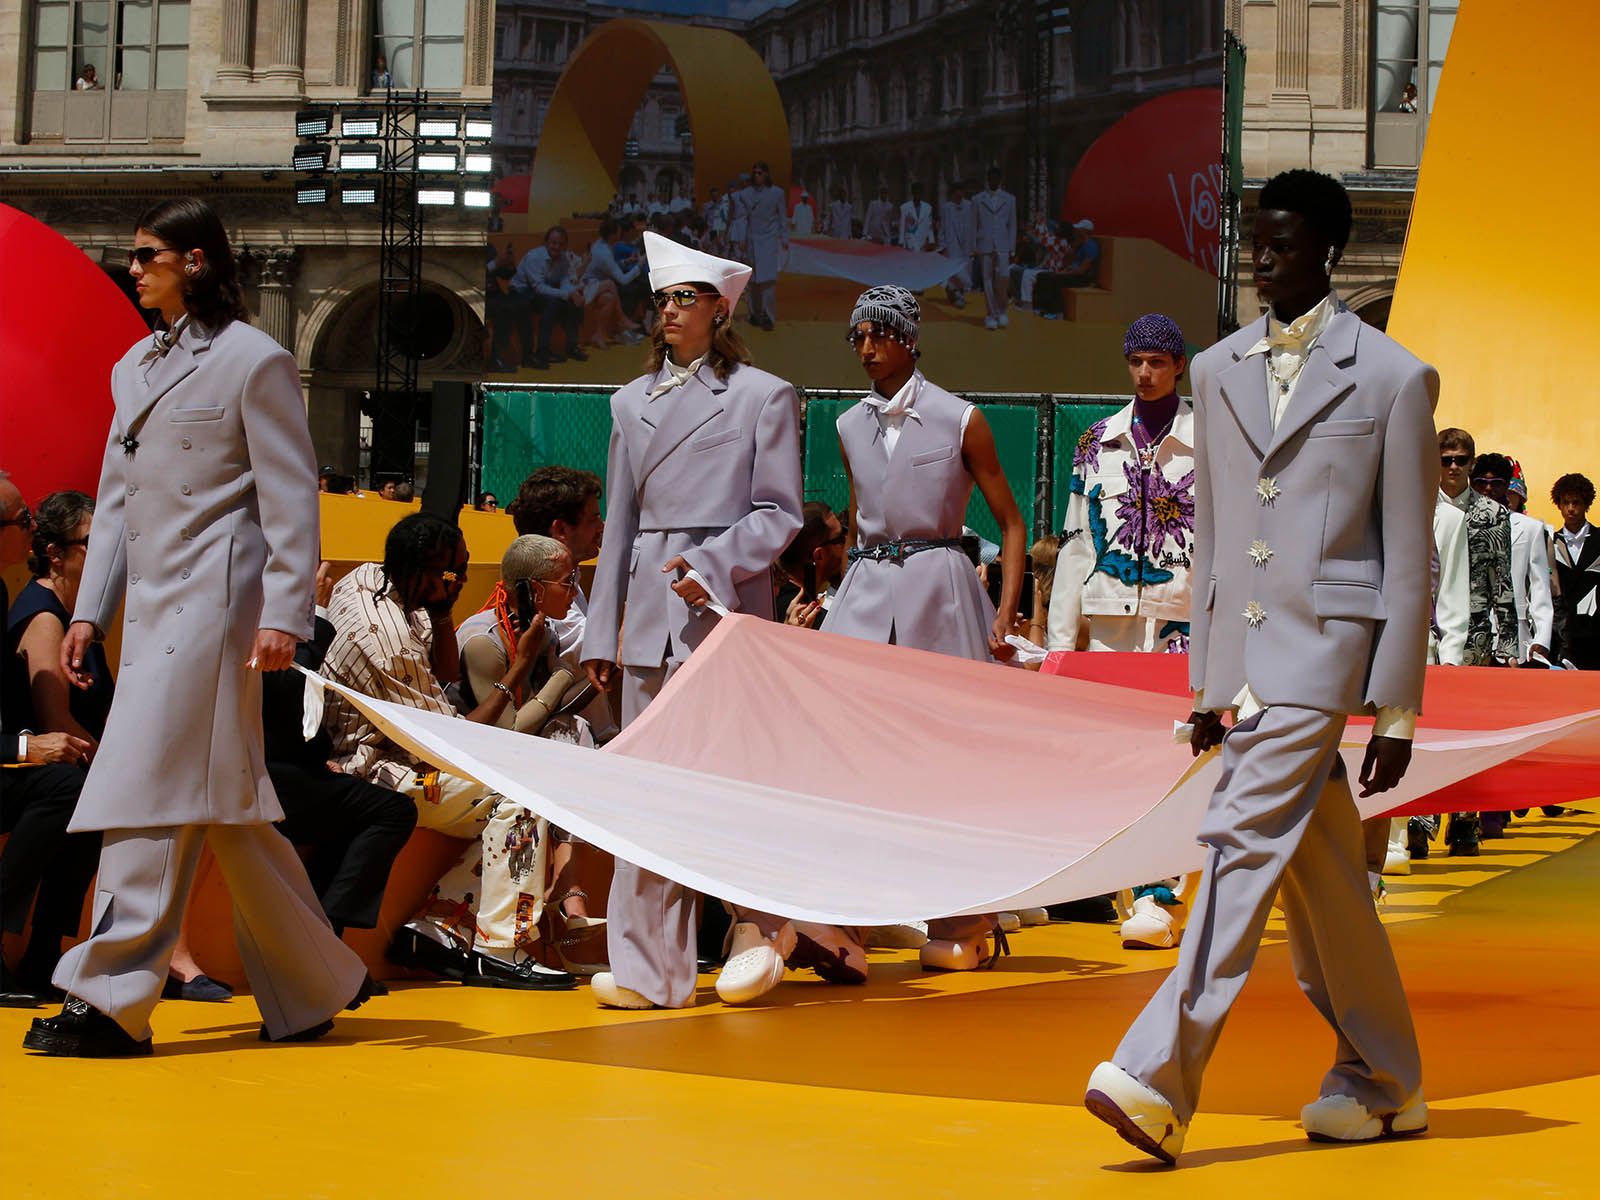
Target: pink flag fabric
869, 263
830, 779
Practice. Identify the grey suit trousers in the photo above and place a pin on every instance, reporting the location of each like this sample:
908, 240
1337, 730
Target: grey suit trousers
652, 923
300, 972
1282, 813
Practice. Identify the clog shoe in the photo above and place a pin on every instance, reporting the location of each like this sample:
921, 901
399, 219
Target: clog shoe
1153, 925
755, 962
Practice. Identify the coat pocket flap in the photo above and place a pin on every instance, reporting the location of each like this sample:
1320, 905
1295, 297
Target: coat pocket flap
1335, 598
1359, 427
933, 456
196, 414
712, 440
1211, 594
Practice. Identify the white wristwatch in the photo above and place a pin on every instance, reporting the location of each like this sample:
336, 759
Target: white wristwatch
22, 746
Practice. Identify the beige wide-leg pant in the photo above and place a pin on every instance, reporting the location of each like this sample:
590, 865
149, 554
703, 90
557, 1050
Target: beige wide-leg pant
1282, 812
300, 972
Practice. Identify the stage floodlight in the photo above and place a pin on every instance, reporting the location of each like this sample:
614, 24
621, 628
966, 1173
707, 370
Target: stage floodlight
477, 198
312, 192
311, 156
436, 197
479, 129
438, 159
360, 157
358, 191
439, 125
313, 123
478, 164
361, 123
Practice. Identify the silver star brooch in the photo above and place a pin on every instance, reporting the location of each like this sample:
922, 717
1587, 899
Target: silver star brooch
1254, 614
1260, 552
1268, 490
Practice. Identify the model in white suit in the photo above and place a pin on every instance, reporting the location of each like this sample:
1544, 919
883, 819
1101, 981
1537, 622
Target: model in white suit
705, 493
995, 241
1314, 482
1452, 596
1530, 579
206, 526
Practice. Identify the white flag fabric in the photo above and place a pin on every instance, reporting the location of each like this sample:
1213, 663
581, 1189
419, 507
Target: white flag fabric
833, 780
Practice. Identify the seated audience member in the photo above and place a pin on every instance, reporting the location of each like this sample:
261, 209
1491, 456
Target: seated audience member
405, 491
811, 568
1578, 571
538, 582
610, 293
42, 770
1042, 557
564, 504
546, 283
355, 829
393, 639
388, 488
487, 502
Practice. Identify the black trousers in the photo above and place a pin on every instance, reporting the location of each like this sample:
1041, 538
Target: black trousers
42, 858
356, 830
551, 311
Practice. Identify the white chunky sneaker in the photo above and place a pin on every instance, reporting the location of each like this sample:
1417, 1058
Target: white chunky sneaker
1153, 925
1003, 320
755, 962
1008, 921
1139, 1114
608, 993
1346, 1119
990, 323
1034, 916
1397, 858
913, 936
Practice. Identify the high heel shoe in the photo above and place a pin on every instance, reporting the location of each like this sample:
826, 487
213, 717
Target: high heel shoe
574, 930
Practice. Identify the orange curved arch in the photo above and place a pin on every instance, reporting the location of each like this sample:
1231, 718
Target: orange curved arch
735, 113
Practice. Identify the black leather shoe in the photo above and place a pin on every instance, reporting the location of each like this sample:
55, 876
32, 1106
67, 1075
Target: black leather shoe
201, 987
82, 1031
305, 1035
413, 949
369, 988
18, 992
527, 975
578, 355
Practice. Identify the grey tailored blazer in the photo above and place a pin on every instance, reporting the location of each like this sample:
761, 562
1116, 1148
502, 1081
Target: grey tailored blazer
1337, 505
209, 529
932, 600
711, 471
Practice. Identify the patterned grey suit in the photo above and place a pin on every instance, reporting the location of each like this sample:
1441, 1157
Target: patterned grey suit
208, 527
1313, 544
710, 471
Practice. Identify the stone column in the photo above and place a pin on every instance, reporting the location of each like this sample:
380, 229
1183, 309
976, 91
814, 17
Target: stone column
286, 58
1293, 59
233, 64
275, 272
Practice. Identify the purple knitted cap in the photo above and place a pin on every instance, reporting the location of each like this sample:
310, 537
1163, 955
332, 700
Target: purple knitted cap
1154, 332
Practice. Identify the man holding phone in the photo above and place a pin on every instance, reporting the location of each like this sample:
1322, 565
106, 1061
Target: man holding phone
811, 568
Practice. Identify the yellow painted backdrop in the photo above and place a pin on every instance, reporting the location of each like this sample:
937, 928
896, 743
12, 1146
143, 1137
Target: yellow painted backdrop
1498, 284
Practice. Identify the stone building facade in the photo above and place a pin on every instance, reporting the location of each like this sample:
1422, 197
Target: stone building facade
199, 97
1345, 87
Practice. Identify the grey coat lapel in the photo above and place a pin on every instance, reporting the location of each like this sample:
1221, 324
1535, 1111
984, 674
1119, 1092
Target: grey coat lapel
166, 373
677, 414
1244, 390
1322, 380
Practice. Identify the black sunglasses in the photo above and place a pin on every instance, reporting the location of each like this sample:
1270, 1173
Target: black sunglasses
23, 520
145, 255
1454, 460
1490, 483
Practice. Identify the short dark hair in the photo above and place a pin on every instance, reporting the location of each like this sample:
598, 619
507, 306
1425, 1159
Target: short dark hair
552, 494
211, 293
412, 542
1497, 465
1457, 439
57, 516
1572, 484
561, 229
1320, 199
813, 533
606, 229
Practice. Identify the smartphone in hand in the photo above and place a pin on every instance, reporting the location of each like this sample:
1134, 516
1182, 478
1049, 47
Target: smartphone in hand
525, 608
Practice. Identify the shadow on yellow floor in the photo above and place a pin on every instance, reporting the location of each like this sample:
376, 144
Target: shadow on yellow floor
914, 1085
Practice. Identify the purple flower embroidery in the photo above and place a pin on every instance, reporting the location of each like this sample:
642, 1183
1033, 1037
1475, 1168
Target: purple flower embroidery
1086, 455
1163, 510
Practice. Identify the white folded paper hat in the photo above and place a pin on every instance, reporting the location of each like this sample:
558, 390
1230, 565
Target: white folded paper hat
672, 263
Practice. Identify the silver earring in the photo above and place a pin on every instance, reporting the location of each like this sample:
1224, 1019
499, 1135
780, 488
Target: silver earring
1333, 257
188, 269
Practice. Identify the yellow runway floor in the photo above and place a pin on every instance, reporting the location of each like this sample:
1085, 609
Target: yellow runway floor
915, 1085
